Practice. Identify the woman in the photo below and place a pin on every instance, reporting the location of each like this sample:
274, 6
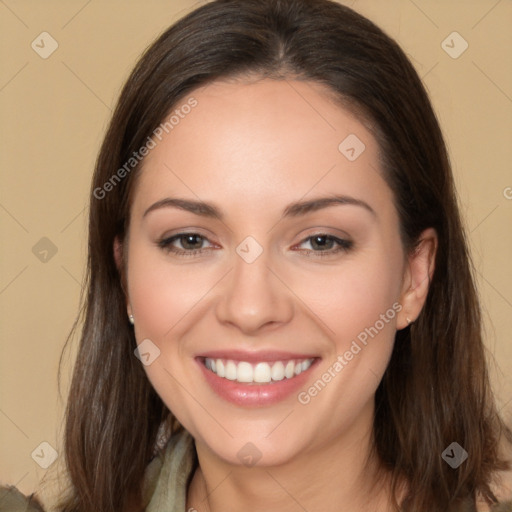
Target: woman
281, 311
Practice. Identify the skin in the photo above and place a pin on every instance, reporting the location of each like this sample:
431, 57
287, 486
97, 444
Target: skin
252, 148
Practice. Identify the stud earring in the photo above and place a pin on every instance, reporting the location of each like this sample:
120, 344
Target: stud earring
408, 321
130, 317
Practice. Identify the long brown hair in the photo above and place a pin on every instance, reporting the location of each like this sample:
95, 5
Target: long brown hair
436, 389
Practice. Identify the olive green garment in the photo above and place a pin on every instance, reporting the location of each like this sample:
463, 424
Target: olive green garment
168, 475
165, 483
12, 500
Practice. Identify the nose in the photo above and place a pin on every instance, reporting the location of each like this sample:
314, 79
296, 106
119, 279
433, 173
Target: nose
254, 297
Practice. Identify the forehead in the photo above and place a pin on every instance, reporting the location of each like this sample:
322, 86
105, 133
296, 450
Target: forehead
262, 142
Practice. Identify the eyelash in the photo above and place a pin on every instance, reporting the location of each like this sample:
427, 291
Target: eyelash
344, 245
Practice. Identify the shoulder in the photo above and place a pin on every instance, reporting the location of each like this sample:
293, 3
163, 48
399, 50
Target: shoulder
12, 500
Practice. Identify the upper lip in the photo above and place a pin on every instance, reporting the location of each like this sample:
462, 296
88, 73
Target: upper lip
254, 357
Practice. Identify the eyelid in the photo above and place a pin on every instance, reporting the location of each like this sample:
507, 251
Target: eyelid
324, 230
343, 244
191, 230
165, 241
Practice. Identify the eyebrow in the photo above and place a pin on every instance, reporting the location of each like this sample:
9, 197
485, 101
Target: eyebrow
299, 208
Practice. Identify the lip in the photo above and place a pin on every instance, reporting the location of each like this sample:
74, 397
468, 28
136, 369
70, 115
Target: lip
262, 356
254, 395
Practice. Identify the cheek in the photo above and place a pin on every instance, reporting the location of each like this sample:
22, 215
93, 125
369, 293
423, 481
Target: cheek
353, 296
163, 297
161, 294
358, 305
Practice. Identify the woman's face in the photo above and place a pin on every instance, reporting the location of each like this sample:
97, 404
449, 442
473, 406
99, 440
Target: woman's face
271, 286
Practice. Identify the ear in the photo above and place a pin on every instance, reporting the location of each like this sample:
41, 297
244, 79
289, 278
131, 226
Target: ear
417, 276
118, 254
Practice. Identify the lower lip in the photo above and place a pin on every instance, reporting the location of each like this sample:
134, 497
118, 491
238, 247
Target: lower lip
254, 395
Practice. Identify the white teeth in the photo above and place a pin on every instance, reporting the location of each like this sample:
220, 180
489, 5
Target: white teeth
244, 372
220, 370
278, 371
231, 370
263, 372
289, 370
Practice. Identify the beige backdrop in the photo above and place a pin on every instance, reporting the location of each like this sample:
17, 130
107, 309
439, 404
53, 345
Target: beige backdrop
54, 113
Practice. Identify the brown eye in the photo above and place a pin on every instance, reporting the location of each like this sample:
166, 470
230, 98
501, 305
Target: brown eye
190, 244
322, 244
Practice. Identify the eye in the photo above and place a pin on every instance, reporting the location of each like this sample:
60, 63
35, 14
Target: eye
191, 244
326, 245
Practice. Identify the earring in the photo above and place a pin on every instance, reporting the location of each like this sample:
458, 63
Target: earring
408, 321
130, 317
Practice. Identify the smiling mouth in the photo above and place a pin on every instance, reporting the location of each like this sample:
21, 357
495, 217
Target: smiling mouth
257, 373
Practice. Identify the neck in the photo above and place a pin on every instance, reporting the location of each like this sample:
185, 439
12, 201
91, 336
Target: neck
337, 472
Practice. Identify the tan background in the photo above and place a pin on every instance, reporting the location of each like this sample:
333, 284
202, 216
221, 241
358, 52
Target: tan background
54, 113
